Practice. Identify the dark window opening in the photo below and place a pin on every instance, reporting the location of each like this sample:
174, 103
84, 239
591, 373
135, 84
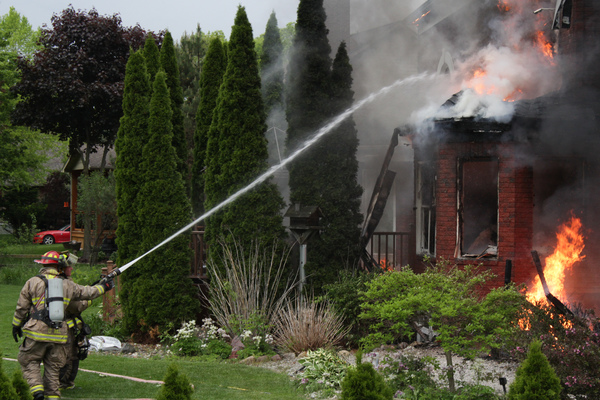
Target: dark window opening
478, 208
426, 203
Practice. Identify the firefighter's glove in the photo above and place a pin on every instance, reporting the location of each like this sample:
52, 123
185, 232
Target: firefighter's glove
17, 333
107, 283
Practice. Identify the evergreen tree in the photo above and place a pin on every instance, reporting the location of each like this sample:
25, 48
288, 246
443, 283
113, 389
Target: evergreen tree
364, 383
190, 52
151, 54
177, 386
132, 135
21, 386
271, 66
210, 81
325, 175
340, 194
237, 150
168, 62
535, 378
163, 291
7, 390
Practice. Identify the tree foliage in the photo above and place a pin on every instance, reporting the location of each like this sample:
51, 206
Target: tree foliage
447, 300
168, 62
237, 149
151, 54
364, 383
162, 292
271, 66
177, 386
535, 379
16, 34
132, 135
215, 64
325, 175
96, 196
73, 86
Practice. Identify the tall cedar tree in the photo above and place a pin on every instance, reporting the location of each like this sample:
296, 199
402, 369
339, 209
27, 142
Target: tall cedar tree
340, 194
73, 86
237, 150
214, 67
271, 66
325, 174
163, 292
168, 62
133, 134
151, 54
190, 52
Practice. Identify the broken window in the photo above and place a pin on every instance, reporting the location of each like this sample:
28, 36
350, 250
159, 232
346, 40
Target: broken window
478, 208
425, 202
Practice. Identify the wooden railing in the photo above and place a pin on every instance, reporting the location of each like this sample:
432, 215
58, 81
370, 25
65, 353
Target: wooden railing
389, 249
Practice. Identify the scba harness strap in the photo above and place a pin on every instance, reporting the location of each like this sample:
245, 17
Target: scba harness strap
43, 314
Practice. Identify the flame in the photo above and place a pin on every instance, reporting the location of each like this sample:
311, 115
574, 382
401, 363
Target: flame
545, 47
503, 5
385, 266
421, 17
566, 253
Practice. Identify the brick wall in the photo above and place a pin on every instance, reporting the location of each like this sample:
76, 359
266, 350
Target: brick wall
579, 47
515, 197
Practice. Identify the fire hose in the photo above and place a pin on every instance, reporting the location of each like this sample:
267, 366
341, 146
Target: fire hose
320, 133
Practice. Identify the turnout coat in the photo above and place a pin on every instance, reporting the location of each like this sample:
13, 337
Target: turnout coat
33, 297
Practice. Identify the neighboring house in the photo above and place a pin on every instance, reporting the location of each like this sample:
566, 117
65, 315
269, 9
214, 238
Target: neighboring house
74, 166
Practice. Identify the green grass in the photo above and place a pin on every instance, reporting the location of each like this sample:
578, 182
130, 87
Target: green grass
212, 380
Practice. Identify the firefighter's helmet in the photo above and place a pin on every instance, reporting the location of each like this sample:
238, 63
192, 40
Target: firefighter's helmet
50, 257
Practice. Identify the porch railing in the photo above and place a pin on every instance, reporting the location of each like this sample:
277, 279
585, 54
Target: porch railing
389, 249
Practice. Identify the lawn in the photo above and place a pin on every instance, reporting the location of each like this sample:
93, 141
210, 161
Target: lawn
212, 380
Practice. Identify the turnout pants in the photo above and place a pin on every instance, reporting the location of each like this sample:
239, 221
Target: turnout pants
31, 354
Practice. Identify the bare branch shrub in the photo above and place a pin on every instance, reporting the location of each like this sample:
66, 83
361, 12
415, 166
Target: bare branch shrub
247, 286
303, 324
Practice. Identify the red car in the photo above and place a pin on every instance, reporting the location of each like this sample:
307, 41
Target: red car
62, 235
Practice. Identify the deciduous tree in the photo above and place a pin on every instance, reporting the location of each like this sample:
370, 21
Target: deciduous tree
73, 86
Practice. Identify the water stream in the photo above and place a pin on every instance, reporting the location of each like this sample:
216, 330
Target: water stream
320, 133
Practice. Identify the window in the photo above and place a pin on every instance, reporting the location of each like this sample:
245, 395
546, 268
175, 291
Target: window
425, 202
478, 208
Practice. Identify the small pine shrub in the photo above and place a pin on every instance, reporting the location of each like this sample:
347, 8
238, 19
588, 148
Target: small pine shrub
535, 378
7, 391
364, 383
21, 386
177, 386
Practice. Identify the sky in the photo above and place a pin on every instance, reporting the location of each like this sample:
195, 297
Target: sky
178, 16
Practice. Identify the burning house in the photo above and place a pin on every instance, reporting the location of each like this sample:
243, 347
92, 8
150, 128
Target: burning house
510, 162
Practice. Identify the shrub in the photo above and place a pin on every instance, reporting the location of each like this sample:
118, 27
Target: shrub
323, 371
306, 325
7, 390
344, 295
408, 373
535, 378
571, 345
177, 386
364, 383
21, 386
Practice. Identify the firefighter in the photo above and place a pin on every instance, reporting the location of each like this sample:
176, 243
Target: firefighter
39, 316
75, 335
